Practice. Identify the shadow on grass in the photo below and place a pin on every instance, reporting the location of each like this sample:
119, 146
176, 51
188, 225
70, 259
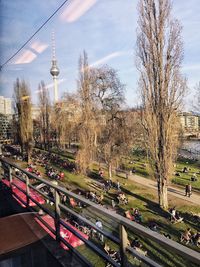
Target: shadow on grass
162, 255
149, 203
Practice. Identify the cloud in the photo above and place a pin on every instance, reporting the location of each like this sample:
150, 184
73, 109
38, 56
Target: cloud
25, 57
38, 46
76, 9
107, 58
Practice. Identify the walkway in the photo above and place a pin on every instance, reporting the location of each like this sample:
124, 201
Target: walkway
172, 190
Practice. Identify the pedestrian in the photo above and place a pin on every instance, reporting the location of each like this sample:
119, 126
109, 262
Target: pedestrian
189, 190
186, 190
100, 226
118, 186
113, 203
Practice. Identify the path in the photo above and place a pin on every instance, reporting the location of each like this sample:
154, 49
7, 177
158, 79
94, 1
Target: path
172, 190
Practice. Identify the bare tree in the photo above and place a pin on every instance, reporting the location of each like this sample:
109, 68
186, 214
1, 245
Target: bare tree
22, 99
86, 127
45, 110
72, 117
108, 96
159, 54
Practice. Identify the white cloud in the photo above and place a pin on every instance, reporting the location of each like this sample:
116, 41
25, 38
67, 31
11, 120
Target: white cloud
38, 46
76, 9
25, 57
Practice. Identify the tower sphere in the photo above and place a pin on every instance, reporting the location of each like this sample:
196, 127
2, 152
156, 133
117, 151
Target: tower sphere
54, 69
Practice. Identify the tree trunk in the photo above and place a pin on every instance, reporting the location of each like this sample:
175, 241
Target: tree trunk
110, 170
95, 139
162, 193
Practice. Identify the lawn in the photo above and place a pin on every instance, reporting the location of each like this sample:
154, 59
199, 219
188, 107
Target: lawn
139, 197
142, 168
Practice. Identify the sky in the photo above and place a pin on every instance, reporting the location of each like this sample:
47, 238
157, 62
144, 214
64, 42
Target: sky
105, 29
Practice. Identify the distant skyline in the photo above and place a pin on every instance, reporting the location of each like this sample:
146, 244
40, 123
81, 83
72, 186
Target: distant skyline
105, 29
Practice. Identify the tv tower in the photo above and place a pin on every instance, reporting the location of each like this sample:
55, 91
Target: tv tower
54, 69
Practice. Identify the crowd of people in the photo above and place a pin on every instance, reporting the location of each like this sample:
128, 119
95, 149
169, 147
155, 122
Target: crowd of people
46, 160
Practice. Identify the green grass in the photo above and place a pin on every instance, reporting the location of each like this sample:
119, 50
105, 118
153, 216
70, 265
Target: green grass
143, 169
146, 201
184, 178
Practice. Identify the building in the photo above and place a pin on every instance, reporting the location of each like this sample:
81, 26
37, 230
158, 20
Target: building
189, 121
5, 106
5, 127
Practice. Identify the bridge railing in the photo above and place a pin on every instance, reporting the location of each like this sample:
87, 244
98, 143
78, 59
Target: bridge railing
124, 225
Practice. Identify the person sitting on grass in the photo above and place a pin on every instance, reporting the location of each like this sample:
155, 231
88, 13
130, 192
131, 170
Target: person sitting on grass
129, 215
185, 170
178, 217
99, 199
109, 251
153, 226
167, 235
196, 239
92, 196
194, 177
137, 215
138, 246
115, 255
173, 214
122, 199
100, 226
135, 243
186, 236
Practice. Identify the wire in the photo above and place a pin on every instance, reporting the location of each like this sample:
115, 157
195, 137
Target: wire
31, 37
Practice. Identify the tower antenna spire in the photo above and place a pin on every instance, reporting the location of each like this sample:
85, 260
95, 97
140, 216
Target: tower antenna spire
54, 68
53, 44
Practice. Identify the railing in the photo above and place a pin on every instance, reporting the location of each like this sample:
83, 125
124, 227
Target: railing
124, 224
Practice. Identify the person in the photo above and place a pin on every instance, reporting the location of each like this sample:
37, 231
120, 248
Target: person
122, 199
100, 173
110, 182
113, 203
135, 243
194, 177
189, 190
153, 226
99, 199
196, 239
129, 215
137, 215
186, 190
186, 236
62, 175
100, 226
92, 196
173, 214
178, 217
118, 186
185, 170
133, 170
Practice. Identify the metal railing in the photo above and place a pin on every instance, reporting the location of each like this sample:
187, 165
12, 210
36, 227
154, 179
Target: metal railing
125, 224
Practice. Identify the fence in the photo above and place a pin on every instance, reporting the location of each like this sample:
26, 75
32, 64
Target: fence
123, 223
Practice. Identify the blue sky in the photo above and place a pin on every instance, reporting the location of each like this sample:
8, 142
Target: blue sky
106, 29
